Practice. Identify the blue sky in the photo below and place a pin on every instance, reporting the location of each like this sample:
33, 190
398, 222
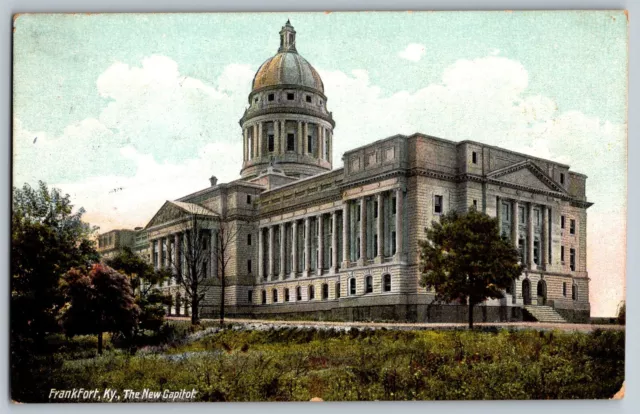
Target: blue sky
126, 111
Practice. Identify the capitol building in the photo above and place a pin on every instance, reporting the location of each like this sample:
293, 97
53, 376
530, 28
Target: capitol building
313, 241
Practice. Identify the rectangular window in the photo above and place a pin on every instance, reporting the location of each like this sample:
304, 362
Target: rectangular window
248, 198
505, 212
564, 289
204, 268
536, 252
310, 143
521, 213
250, 296
338, 290
437, 204
248, 266
249, 239
290, 96
562, 222
271, 97
475, 204
393, 243
572, 259
572, 226
271, 143
308, 98
474, 157
291, 142
375, 209
561, 178
562, 254
393, 205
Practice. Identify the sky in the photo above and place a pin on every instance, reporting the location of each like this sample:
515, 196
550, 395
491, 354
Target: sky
125, 111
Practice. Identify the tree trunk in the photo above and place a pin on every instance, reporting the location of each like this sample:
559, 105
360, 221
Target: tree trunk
470, 314
195, 317
222, 301
99, 343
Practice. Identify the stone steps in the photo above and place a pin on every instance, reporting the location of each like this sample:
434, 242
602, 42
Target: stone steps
545, 314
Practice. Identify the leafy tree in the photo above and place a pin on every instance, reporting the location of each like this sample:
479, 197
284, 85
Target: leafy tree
144, 283
47, 239
622, 313
101, 300
466, 260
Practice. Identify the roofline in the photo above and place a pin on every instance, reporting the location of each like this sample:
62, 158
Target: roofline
235, 183
302, 180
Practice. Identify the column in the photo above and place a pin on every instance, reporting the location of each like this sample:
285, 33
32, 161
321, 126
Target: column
152, 247
380, 228
363, 230
307, 237
399, 236
271, 252
334, 242
160, 253
294, 248
305, 134
178, 257
245, 151
320, 243
529, 246
545, 238
276, 137
259, 140
515, 212
213, 253
345, 234
283, 137
170, 260
320, 141
499, 214
260, 254
300, 140
283, 238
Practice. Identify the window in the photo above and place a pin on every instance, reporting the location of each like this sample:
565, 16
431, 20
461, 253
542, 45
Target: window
310, 143
561, 178
325, 291
338, 290
298, 293
358, 247
291, 142
562, 222
248, 198
562, 254
204, 243
437, 204
572, 227
572, 259
290, 96
368, 284
271, 97
375, 209
536, 251
264, 297
574, 292
312, 292
386, 283
275, 295
270, 143
521, 213
537, 214
250, 296
286, 295
393, 205
204, 268
521, 249
352, 286
308, 98
474, 157
564, 289
255, 100
249, 239
475, 204
393, 242
248, 266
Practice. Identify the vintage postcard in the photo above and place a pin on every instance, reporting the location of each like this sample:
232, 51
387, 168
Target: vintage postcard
318, 206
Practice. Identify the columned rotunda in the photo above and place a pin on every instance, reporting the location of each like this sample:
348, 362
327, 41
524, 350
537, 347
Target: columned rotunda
314, 241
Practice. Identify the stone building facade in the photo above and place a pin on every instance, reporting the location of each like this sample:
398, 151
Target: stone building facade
317, 242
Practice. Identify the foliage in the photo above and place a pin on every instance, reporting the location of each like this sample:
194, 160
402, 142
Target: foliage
47, 239
298, 364
466, 260
145, 281
622, 313
101, 300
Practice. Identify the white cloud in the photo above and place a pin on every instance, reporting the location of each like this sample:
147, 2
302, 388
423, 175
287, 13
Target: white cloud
413, 52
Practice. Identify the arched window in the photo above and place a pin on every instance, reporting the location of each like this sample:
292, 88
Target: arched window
312, 292
352, 286
325, 291
275, 295
264, 297
338, 290
574, 292
298, 293
286, 295
368, 284
386, 283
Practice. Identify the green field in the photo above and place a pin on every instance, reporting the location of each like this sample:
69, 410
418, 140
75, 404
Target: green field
295, 364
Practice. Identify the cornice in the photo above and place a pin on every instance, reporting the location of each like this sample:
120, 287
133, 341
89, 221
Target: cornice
287, 110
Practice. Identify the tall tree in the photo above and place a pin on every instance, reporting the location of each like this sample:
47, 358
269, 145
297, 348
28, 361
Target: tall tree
225, 238
466, 260
100, 300
47, 239
144, 282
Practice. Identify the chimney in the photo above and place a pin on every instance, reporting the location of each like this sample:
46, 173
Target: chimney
213, 180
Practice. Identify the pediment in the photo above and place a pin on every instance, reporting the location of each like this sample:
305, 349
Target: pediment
172, 211
526, 174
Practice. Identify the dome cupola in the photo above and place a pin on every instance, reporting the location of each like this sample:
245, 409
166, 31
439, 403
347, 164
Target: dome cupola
287, 123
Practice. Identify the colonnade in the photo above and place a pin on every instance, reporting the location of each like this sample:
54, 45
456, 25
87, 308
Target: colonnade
256, 141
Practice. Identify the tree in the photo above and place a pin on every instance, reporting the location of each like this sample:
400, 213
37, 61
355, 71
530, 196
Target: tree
224, 240
47, 239
144, 282
100, 300
465, 259
622, 313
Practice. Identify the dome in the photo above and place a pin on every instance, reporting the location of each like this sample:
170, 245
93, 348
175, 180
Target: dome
287, 67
